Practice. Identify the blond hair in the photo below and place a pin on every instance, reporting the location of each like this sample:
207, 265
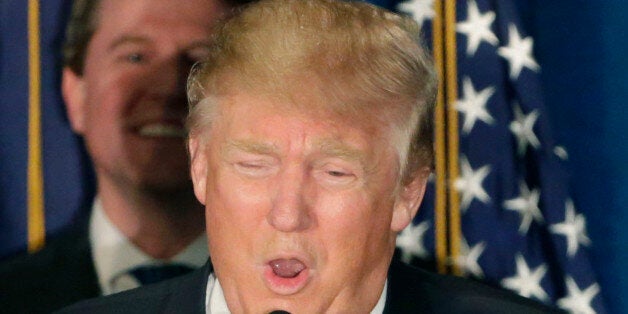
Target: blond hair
362, 62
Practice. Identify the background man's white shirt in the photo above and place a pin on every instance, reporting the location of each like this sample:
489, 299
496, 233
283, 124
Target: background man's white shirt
114, 255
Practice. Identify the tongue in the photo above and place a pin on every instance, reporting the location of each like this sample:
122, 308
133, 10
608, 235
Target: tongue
286, 268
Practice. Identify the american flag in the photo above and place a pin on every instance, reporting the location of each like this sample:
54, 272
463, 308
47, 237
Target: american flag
519, 228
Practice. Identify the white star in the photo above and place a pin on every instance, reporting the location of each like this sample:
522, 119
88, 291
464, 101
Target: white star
527, 205
477, 27
467, 260
577, 301
518, 52
573, 228
420, 10
470, 183
561, 152
522, 127
473, 105
527, 283
410, 241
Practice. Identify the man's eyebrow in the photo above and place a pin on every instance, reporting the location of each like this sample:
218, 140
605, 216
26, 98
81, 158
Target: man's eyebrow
334, 148
128, 39
253, 147
328, 148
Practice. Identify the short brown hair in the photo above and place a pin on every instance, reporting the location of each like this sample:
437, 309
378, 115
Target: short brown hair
81, 27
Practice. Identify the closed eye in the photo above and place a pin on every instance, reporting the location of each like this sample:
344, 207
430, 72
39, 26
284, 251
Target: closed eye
335, 176
336, 173
250, 165
254, 168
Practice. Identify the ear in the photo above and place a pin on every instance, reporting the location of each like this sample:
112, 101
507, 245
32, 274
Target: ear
198, 167
408, 200
73, 90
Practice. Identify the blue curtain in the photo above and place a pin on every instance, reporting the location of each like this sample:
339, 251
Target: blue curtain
67, 178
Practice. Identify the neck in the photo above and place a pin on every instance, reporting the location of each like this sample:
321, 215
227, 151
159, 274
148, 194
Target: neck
160, 223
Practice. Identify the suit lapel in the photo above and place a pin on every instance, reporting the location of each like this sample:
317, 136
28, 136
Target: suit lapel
189, 295
406, 291
77, 276
63, 272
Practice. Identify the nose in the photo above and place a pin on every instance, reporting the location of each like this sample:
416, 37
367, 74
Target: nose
169, 79
290, 211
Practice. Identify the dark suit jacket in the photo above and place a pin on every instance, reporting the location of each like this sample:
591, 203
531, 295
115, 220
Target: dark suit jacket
410, 290
59, 275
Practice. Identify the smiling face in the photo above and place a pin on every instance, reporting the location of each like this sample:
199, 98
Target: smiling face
301, 208
129, 103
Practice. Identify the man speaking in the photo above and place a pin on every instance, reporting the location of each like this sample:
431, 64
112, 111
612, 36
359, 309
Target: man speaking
311, 144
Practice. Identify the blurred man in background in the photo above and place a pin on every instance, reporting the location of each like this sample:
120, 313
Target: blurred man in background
125, 68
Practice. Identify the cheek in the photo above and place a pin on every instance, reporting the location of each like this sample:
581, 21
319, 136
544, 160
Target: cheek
351, 221
105, 108
235, 226
233, 207
357, 226
114, 89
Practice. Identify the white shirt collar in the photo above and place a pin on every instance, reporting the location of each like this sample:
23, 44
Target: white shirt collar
215, 302
114, 255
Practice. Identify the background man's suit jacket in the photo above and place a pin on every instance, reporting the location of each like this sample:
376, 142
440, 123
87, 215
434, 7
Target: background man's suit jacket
410, 290
59, 275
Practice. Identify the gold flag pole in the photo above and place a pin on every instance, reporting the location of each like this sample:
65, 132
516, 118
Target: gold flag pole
35, 189
451, 86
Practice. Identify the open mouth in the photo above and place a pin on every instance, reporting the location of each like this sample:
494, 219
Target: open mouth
162, 130
286, 276
287, 268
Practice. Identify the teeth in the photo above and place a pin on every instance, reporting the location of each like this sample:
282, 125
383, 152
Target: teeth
162, 130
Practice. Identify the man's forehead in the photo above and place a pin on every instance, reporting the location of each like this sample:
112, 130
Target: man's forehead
126, 14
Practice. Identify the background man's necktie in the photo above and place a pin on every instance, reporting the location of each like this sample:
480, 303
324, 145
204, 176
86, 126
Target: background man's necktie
156, 273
